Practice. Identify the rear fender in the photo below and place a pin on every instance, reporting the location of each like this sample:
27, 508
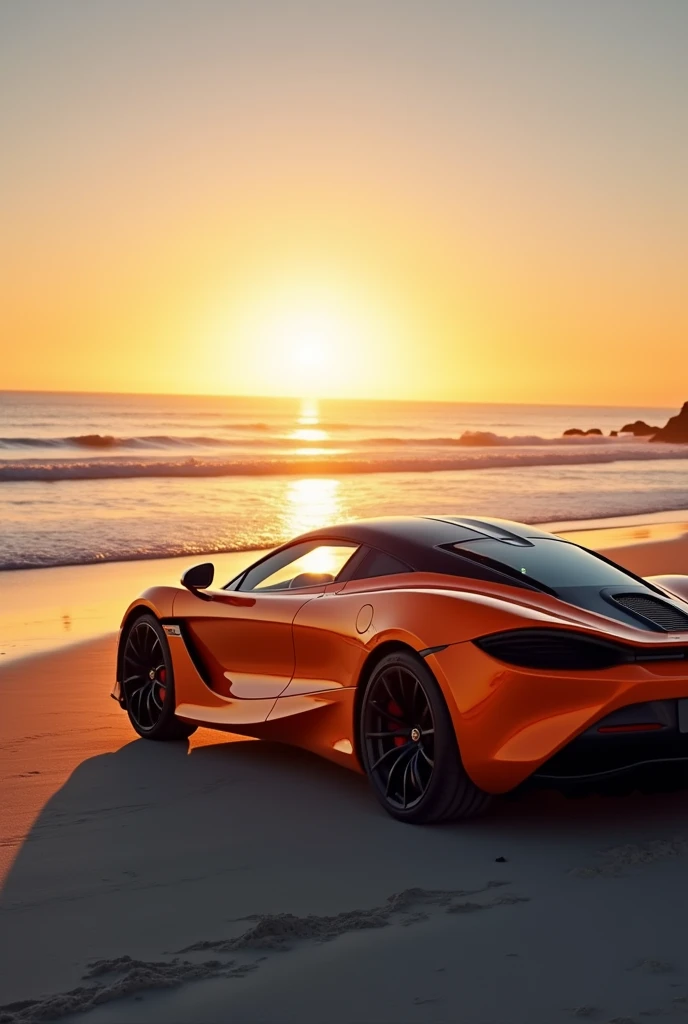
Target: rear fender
676, 586
433, 618
510, 720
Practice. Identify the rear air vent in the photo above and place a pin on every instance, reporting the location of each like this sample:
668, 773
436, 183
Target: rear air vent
553, 649
653, 609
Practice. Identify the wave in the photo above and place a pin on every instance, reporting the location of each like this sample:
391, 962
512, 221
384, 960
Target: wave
487, 439
105, 441
468, 439
117, 468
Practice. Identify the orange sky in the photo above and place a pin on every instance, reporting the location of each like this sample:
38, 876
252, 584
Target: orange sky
480, 202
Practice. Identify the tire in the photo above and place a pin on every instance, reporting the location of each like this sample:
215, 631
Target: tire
148, 682
403, 710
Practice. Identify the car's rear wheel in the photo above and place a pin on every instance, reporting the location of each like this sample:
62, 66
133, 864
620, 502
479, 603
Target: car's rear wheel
148, 682
409, 747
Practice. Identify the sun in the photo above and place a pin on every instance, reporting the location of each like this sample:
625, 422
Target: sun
302, 338
310, 355
311, 341
303, 342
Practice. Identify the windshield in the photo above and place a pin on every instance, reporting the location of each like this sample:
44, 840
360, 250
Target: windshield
554, 563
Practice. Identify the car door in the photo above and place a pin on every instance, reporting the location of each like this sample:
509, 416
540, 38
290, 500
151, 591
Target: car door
328, 636
243, 637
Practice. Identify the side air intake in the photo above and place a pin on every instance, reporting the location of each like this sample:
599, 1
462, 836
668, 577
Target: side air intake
653, 609
553, 649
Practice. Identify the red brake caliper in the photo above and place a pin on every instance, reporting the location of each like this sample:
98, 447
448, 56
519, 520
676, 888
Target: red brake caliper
162, 679
394, 709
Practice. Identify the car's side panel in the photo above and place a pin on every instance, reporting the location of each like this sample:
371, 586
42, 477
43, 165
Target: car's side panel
328, 649
316, 711
197, 703
509, 720
244, 640
444, 610
319, 722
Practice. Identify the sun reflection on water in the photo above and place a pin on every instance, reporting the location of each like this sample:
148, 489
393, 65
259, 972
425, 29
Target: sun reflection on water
323, 452
309, 415
309, 434
311, 503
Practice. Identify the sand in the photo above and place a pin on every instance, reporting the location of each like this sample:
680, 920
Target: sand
46, 609
232, 880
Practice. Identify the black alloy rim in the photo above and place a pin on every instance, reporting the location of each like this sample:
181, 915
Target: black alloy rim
145, 676
399, 736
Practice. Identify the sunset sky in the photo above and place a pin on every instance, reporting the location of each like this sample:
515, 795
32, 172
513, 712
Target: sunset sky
479, 201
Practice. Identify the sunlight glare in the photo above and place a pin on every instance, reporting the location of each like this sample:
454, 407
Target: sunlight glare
309, 434
312, 503
309, 415
303, 338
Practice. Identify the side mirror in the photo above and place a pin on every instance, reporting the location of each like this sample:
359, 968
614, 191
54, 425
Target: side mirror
198, 578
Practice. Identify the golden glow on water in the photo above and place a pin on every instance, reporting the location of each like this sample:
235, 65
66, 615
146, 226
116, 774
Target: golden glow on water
309, 434
309, 415
311, 503
319, 451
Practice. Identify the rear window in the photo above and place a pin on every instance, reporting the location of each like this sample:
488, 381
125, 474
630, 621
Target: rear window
555, 563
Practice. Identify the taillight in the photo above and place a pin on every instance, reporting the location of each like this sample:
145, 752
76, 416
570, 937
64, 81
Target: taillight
553, 649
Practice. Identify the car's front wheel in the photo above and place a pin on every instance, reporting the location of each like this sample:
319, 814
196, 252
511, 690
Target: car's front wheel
409, 747
148, 682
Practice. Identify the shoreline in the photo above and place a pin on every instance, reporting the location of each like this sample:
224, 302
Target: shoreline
564, 526
51, 608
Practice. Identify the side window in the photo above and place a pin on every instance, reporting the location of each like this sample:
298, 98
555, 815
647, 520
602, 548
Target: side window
377, 563
301, 565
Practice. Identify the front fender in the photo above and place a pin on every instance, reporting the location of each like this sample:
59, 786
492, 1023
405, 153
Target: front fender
159, 601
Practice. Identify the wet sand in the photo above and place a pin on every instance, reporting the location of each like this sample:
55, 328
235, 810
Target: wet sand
229, 879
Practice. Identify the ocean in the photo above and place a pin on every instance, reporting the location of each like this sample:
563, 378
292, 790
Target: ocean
87, 478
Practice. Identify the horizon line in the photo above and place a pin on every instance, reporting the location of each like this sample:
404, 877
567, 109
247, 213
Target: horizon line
302, 398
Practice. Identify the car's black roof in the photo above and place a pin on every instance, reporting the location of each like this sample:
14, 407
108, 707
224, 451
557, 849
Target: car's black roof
397, 533
425, 543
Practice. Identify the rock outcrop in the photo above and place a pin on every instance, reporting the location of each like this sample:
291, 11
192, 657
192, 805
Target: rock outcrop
577, 432
639, 429
676, 430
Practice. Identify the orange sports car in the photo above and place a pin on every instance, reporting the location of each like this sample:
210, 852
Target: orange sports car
448, 658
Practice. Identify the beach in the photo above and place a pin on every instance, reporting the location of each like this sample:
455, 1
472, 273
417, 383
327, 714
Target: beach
234, 879
382, 291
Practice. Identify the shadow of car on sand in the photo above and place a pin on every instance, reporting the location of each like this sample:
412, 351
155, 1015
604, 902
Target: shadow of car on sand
147, 850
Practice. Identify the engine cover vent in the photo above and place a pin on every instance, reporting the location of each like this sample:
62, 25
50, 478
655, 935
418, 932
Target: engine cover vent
654, 610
